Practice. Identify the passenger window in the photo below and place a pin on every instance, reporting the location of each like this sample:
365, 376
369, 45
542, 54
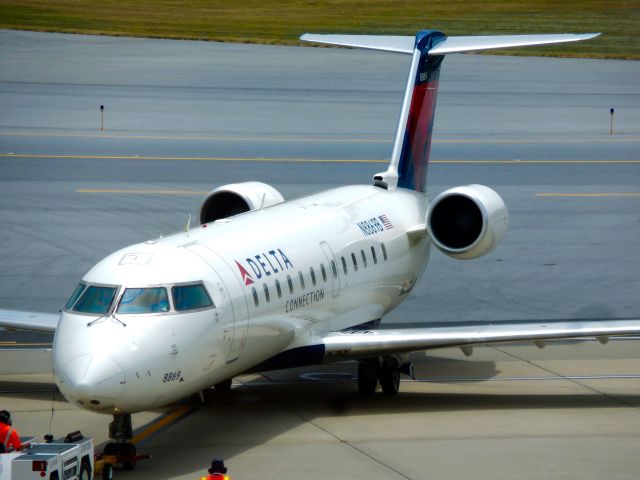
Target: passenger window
301, 280
290, 284
255, 296
278, 289
190, 297
324, 272
313, 276
364, 258
344, 265
334, 269
373, 254
74, 296
355, 264
384, 252
266, 293
145, 300
95, 300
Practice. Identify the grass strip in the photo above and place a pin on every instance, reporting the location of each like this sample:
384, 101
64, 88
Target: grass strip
282, 21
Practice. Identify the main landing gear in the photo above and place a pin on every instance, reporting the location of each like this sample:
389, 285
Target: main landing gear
386, 371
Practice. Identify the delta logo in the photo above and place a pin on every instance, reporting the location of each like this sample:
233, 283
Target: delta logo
264, 264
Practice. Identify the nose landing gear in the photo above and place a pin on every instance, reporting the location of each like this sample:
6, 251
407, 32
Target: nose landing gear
386, 371
120, 448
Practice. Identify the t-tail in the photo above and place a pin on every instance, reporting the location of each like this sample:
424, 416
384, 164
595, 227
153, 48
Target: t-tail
412, 145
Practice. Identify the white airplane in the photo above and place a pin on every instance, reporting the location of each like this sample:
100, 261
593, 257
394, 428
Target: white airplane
265, 283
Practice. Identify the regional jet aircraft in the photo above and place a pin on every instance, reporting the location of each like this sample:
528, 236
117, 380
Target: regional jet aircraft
170, 317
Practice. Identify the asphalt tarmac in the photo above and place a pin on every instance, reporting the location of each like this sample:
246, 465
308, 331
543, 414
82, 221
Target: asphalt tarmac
182, 118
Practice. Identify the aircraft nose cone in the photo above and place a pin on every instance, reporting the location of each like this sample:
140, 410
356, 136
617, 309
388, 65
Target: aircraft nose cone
92, 380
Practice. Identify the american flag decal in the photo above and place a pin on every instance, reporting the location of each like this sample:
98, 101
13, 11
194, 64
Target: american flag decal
386, 222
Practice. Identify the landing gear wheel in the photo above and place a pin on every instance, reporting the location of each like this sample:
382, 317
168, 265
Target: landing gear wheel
390, 377
225, 386
130, 452
126, 451
367, 379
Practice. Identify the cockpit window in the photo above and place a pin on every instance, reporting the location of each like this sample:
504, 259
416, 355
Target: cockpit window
74, 296
190, 297
144, 300
95, 300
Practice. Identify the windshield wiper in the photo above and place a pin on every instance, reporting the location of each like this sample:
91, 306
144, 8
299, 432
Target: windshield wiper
118, 320
106, 315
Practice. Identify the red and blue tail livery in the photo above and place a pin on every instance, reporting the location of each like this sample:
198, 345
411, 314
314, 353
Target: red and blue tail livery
416, 143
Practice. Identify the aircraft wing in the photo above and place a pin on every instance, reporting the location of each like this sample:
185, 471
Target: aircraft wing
32, 321
371, 343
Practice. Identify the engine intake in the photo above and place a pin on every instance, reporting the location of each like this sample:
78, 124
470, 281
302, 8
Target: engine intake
236, 198
468, 221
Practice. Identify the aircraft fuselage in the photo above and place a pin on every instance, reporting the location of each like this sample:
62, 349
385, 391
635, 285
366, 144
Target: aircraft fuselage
278, 278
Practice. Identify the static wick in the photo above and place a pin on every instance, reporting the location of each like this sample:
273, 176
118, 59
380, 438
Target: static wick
101, 117
612, 112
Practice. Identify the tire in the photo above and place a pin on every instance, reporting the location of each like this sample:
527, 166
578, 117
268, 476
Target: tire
85, 470
390, 377
122, 450
367, 379
107, 472
130, 451
110, 449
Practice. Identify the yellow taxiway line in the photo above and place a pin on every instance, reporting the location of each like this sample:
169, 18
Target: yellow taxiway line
310, 160
307, 139
163, 422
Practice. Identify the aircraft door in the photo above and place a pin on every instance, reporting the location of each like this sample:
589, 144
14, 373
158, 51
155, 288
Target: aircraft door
235, 298
333, 272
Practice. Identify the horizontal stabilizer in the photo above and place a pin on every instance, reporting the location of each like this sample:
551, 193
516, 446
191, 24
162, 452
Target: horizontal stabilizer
388, 43
402, 44
490, 42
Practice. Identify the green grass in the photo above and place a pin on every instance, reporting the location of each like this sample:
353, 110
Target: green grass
282, 21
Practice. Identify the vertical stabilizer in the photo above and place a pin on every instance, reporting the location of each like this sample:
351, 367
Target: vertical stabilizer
412, 145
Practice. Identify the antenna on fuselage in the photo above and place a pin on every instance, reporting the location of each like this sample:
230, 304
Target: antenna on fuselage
188, 225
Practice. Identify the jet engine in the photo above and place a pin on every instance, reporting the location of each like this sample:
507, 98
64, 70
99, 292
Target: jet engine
236, 198
468, 221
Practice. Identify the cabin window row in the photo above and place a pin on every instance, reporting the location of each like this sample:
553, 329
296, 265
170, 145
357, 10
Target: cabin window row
324, 274
300, 279
355, 258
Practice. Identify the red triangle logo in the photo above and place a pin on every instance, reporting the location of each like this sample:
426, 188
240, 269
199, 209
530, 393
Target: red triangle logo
246, 278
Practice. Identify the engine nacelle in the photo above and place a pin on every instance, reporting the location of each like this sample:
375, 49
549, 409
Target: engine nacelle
468, 221
236, 198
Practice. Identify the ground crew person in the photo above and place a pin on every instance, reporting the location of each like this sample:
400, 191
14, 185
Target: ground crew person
9, 439
217, 471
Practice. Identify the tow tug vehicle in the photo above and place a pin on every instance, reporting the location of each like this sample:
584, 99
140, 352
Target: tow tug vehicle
70, 458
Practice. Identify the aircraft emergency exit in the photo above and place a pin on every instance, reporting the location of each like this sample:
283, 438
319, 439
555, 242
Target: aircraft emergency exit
251, 290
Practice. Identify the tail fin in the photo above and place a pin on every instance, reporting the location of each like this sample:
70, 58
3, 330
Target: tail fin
412, 146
